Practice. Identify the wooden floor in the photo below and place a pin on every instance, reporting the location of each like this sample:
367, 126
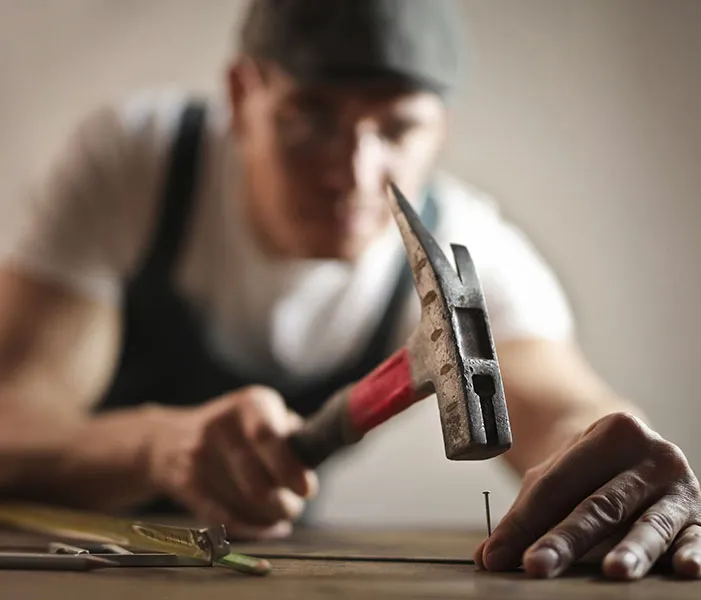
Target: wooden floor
368, 572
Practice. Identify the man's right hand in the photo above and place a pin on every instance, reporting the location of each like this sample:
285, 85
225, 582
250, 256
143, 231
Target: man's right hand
229, 462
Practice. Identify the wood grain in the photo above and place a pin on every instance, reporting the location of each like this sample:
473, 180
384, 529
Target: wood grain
314, 577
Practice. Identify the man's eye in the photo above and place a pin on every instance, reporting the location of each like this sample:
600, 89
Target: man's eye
396, 129
316, 119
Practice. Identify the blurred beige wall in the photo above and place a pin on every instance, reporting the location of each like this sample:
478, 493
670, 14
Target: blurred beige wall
582, 117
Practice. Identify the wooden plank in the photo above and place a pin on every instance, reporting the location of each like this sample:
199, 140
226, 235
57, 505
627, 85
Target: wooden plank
344, 580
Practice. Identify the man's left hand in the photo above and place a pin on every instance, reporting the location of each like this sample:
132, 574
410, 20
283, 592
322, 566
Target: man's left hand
618, 478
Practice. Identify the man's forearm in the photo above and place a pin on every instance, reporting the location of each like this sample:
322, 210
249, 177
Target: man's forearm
549, 434
89, 462
552, 395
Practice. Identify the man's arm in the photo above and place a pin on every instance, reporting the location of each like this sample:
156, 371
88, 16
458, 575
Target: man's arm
57, 353
228, 460
553, 394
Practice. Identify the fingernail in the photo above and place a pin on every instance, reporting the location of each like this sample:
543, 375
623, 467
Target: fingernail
543, 562
630, 562
623, 565
689, 563
499, 558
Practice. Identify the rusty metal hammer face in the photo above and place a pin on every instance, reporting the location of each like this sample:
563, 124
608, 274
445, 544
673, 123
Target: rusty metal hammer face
451, 353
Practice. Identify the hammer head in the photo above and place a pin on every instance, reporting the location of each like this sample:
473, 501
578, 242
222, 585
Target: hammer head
452, 350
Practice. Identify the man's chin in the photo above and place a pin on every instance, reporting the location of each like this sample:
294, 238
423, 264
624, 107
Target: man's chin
345, 248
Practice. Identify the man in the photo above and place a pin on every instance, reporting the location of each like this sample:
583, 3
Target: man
189, 282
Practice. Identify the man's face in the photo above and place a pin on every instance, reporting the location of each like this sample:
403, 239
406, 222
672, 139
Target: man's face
318, 158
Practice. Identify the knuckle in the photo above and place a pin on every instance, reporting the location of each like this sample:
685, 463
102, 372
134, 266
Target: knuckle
608, 508
246, 401
520, 529
263, 433
569, 541
671, 460
628, 428
259, 413
261, 395
242, 401
662, 523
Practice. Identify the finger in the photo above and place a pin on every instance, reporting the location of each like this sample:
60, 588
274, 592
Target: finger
276, 454
609, 449
478, 555
250, 478
687, 553
649, 538
249, 489
589, 524
242, 519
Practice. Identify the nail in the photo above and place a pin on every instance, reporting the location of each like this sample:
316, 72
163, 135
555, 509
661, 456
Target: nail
488, 514
543, 562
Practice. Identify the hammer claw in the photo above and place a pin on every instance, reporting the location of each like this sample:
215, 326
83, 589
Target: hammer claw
422, 249
462, 360
465, 268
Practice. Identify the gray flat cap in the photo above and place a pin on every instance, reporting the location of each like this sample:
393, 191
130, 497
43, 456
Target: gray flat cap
416, 42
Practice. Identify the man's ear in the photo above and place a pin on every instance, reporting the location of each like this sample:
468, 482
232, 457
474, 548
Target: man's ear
243, 77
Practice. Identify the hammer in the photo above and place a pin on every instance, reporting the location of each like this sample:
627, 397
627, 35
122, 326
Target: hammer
450, 353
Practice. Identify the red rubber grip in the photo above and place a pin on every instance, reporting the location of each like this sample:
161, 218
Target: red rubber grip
383, 393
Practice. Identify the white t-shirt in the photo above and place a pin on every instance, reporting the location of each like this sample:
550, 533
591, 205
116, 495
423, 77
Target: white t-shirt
88, 226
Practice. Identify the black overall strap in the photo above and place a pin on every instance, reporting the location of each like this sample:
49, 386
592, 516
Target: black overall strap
179, 192
153, 337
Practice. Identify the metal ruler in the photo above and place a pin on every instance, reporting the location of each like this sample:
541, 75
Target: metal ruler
208, 545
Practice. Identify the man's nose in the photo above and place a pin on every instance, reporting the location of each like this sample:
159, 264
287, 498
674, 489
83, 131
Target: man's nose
359, 164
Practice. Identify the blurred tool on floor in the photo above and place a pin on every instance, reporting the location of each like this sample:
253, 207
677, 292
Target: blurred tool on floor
186, 546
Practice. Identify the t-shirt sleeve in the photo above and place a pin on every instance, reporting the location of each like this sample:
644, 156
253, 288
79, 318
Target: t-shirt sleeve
525, 299
86, 222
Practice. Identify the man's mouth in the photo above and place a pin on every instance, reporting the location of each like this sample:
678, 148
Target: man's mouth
355, 220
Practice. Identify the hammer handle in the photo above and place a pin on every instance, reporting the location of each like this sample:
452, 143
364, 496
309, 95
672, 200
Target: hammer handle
356, 409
